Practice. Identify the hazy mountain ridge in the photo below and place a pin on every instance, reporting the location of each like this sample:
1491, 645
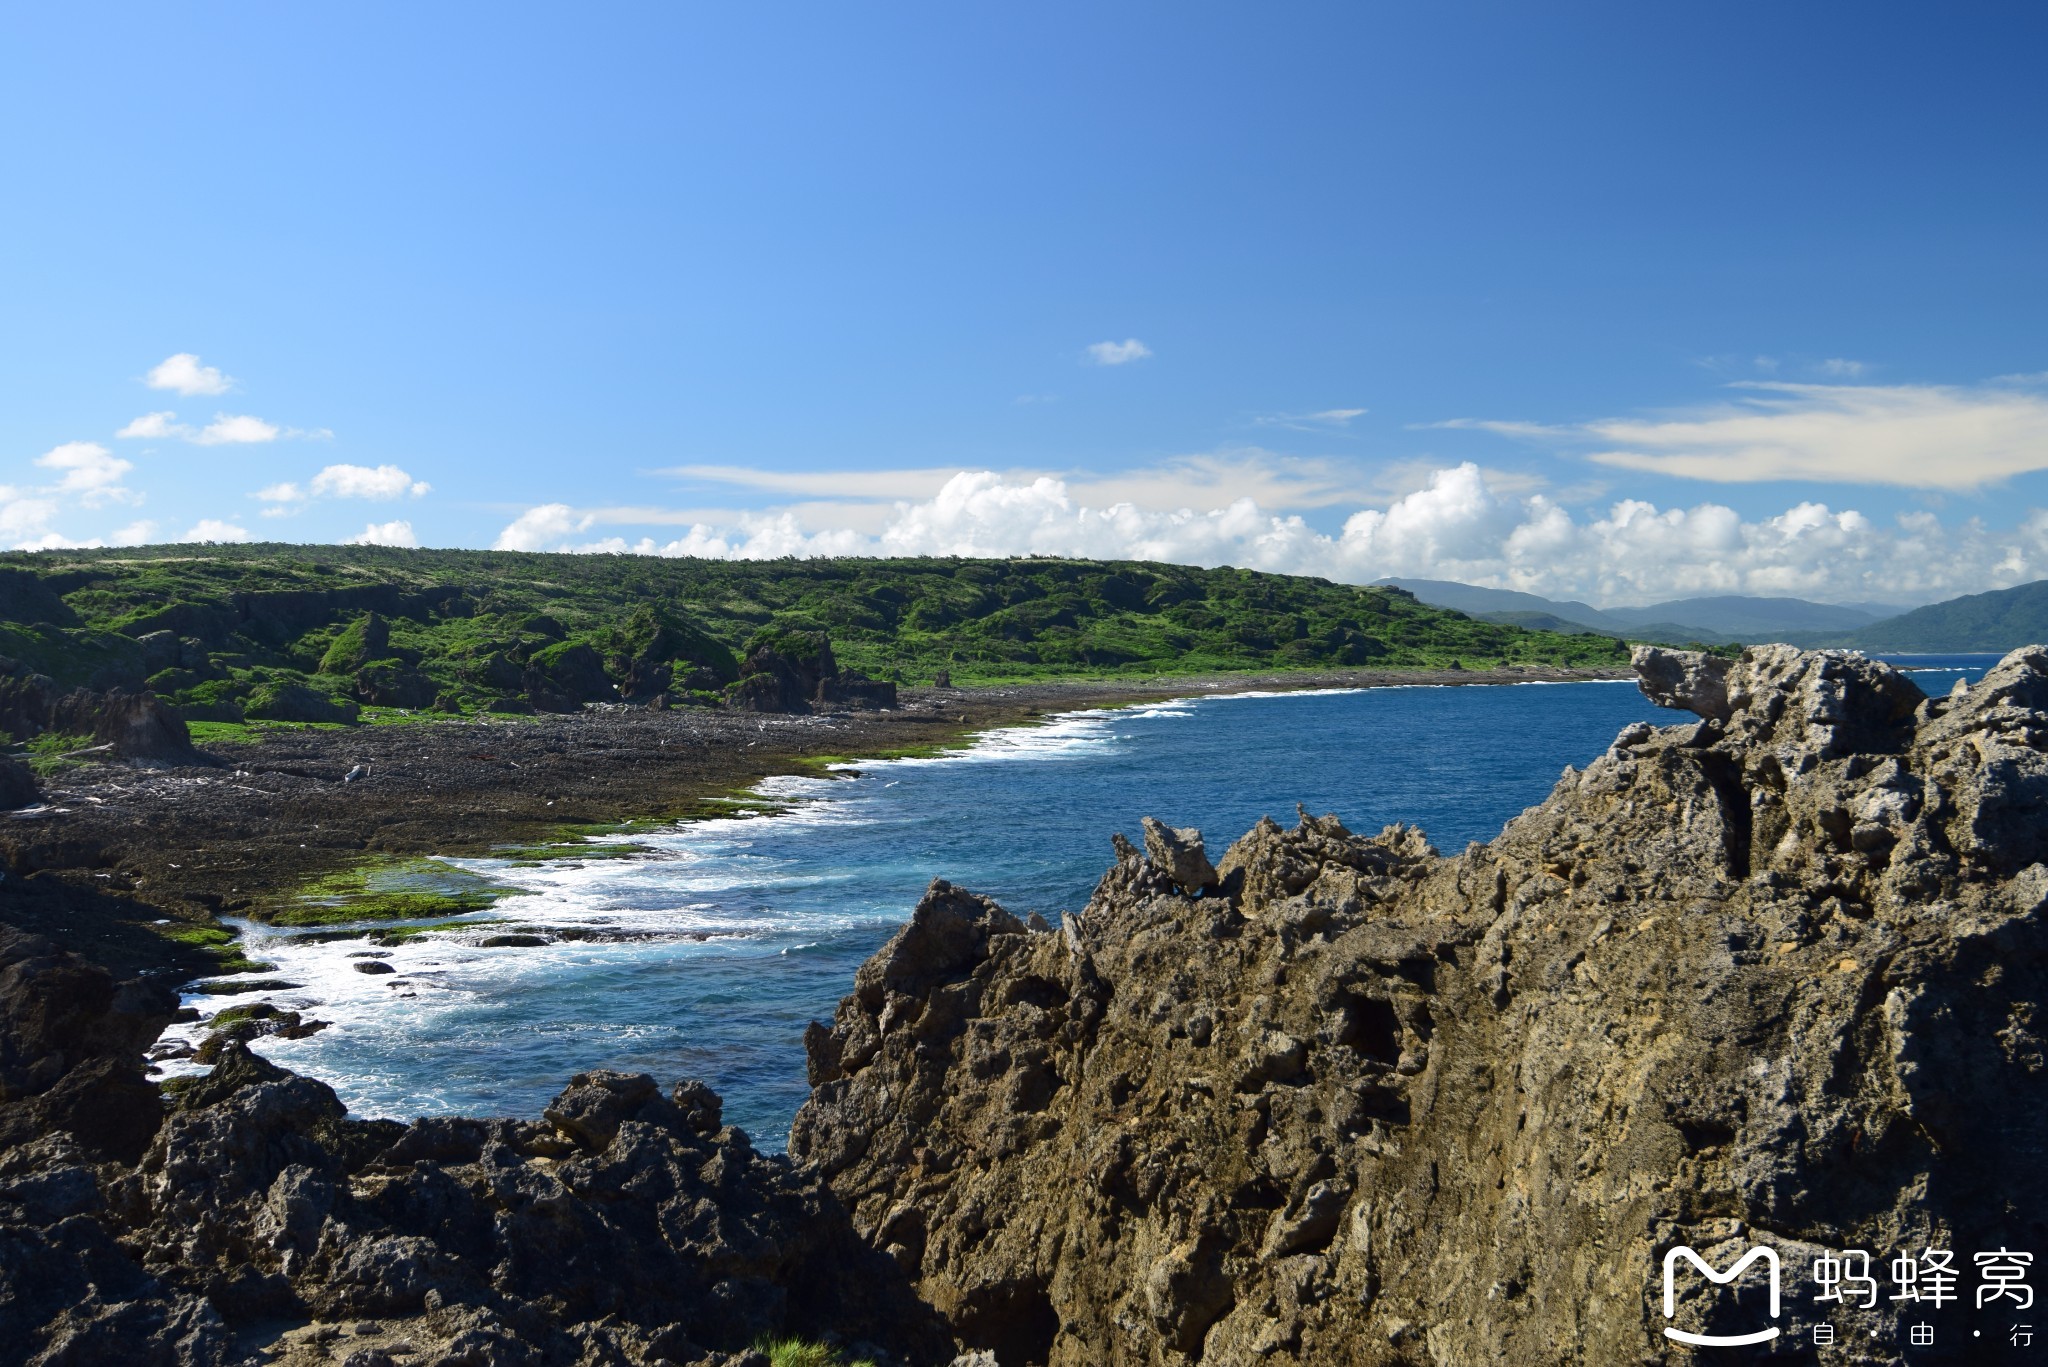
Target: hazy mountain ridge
1997, 621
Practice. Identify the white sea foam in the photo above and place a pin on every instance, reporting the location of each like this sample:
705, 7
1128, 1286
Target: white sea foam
729, 887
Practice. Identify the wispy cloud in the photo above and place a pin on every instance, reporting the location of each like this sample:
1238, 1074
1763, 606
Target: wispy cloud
1841, 369
887, 484
1203, 481
183, 374
1910, 436
1117, 353
1328, 420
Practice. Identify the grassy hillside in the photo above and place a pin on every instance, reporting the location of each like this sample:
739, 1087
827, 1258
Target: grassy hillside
368, 622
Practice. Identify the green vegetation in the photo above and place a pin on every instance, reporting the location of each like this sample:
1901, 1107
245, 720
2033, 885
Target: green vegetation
803, 1353
1998, 621
305, 635
217, 941
527, 856
50, 753
383, 889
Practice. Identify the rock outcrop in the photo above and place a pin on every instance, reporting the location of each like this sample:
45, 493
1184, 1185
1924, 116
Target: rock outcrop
1772, 975
131, 725
792, 671
248, 1211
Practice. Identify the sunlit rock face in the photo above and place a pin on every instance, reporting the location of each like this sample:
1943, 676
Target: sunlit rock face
1771, 975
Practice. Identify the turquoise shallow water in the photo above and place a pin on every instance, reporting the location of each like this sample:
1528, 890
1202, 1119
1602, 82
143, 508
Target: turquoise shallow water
735, 933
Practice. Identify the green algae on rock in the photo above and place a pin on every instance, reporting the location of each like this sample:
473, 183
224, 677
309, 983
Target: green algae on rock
385, 890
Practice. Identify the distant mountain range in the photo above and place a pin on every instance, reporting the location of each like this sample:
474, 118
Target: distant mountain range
1995, 621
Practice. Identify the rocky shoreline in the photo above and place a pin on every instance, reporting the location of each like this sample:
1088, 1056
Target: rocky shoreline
1770, 975
109, 850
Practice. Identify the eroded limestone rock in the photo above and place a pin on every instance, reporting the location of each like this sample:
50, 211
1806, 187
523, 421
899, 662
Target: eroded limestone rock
1776, 974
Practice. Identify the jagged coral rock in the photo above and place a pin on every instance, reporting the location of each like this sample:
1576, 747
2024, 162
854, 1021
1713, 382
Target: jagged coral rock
1773, 974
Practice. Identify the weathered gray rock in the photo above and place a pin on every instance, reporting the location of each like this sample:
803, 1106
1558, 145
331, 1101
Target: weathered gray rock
1683, 679
141, 728
1178, 854
1773, 975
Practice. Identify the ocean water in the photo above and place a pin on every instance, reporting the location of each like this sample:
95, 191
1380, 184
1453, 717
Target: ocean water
708, 955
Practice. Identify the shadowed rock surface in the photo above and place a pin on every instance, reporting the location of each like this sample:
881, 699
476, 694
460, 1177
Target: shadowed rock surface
1772, 975
251, 1213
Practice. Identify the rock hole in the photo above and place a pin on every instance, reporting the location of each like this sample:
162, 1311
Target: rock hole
1373, 1029
1700, 1135
1015, 1321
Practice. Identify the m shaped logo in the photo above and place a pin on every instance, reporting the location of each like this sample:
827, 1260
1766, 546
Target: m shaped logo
1767, 1255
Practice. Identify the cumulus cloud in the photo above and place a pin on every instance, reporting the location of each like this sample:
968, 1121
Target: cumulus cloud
183, 374
536, 528
384, 534
364, 481
1456, 525
158, 426
226, 429
235, 430
214, 529
89, 472
134, 534
1118, 353
286, 492
86, 475
1912, 436
25, 518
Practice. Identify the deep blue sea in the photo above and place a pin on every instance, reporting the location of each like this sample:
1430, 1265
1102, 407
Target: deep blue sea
744, 929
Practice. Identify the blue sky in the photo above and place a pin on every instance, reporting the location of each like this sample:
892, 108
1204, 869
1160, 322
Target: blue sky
1619, 301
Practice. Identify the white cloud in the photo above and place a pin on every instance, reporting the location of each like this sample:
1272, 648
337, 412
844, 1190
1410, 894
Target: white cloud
156, 425
213, 529
1329, 419
1842, 369
384, 534
1206, 481
1457, 525
236, 430
1118, 353
1912, 436
281, 493
888, 484
24, 518
183, 374
533, 529
90, 472
363, 481
226, 429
